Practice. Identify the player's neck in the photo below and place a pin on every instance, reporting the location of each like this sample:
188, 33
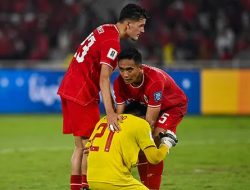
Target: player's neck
139, 81
122, 30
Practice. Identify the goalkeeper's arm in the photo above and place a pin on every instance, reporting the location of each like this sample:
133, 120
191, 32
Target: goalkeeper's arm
155, 155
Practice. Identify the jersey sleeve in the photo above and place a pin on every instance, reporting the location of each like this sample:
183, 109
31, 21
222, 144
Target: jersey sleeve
144, 136
109, 52
119, 98
155, 93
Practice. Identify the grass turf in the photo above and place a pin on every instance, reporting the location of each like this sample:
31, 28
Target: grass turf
213, 154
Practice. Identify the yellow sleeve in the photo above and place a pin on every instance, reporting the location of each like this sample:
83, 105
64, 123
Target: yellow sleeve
143, 134
155, 155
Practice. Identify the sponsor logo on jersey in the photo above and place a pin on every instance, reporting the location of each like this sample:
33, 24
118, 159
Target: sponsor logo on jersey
100, 29
157, 96
112, 54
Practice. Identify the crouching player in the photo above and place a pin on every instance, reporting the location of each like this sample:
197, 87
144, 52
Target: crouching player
165, 103
112, 155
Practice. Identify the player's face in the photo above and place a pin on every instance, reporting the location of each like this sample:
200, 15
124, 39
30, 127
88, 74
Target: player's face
135, 28
130, 71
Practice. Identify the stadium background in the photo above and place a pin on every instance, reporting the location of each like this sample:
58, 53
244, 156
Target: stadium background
203, 44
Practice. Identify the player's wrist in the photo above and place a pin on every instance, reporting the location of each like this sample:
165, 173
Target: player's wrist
167, 144
164, 148
110, 112
168, 138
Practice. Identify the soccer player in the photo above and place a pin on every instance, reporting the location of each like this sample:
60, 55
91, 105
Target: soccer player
165, 102
112, 155
89, 72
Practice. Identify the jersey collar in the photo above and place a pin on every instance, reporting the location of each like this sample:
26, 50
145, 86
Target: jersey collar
116, 29
141, 82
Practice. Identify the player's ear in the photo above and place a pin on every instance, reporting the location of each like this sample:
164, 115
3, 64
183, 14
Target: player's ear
127, 23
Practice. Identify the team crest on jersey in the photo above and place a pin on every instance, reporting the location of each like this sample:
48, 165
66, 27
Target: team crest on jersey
112, 54
145, 98
157, 96
124, 117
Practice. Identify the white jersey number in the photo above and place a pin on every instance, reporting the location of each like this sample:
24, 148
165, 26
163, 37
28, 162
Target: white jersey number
89, 41
163, 118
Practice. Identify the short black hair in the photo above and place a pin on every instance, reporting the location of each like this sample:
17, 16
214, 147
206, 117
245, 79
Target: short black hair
135, 108
130, 53
133, 12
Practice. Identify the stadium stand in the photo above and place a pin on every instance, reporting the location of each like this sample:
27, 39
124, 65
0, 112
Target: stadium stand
179, 30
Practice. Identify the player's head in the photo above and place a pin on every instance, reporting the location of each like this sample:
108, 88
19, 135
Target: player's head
129, 64
136, 108
134, 18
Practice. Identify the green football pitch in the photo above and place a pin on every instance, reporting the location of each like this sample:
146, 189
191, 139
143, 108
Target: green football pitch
213, 154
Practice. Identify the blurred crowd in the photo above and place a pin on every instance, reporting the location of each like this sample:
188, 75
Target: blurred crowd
177, 29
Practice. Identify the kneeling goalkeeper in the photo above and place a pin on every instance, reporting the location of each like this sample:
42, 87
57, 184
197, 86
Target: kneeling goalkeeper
112, 154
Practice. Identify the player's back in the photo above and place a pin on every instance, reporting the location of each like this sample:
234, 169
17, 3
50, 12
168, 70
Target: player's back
81, 81
172, 94
113, 154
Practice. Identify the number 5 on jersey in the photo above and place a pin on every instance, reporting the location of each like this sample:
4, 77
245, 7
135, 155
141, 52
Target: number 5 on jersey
163, 118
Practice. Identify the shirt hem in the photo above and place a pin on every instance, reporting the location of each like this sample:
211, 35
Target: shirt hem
76, 100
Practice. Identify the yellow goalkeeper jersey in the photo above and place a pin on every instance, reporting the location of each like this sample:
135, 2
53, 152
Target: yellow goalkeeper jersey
112, 155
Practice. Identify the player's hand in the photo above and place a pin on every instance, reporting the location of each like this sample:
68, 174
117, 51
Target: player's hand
168, 138
112, 120
86, 148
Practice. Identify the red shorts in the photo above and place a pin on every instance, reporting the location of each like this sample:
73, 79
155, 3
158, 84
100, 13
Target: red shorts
79, 120
169, 119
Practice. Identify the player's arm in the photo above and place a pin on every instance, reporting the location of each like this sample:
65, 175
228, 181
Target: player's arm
120, 108
155, 155
154, 92
112, 117
118, 91
152, 115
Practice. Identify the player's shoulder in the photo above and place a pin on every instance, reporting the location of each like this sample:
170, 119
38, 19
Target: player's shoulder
150, 70
154, 74
110, 27
108, 31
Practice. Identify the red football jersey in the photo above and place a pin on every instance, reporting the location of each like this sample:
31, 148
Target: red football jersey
156, 89
81, 81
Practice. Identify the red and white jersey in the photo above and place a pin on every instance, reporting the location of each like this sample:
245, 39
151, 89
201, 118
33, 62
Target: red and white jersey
157, 89
81, 81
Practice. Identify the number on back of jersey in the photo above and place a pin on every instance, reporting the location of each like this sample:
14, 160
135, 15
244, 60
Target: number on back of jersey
86, 44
